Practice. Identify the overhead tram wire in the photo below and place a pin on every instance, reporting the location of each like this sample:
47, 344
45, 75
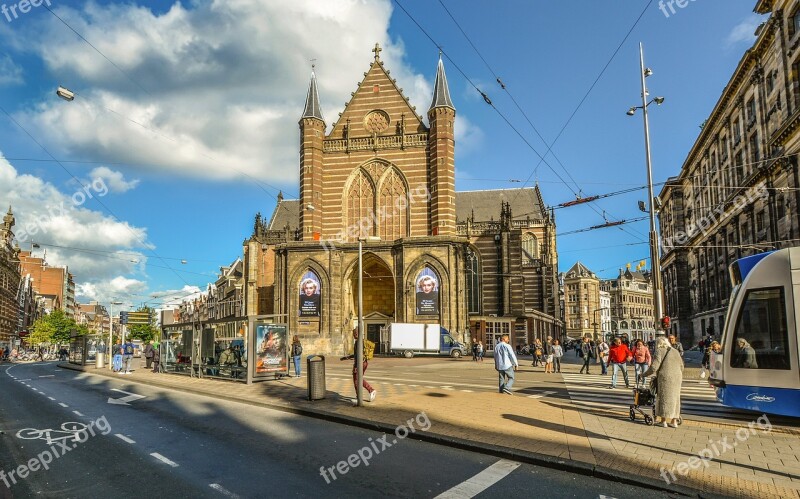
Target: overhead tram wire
489, 102
604, 226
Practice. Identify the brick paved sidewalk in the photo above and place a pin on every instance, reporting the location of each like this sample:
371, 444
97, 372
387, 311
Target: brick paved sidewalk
550, 432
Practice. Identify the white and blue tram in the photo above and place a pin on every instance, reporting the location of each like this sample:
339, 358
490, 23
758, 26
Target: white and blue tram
757, 368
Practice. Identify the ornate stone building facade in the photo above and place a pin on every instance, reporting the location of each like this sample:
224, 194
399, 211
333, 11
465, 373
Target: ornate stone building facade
581, 302
9, 281
430, 255
631, 303
738, 190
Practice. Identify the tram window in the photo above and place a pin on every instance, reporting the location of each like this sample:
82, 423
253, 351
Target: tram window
761, 337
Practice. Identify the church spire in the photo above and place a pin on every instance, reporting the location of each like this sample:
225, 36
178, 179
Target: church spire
441, 92
312, 109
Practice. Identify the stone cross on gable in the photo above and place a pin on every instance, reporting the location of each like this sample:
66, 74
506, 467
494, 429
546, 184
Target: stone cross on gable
377, 50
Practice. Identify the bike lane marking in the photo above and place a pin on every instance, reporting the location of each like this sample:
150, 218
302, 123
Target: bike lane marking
481, 481
164, 459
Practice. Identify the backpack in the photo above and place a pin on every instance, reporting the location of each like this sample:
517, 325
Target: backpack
369, 349
128, 349
297, 350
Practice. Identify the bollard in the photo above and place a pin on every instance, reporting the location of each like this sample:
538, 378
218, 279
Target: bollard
315, 369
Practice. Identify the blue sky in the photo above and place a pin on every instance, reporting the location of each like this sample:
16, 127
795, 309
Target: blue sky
195, 128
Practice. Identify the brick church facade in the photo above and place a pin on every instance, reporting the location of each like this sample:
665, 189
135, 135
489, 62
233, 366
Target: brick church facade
480, 263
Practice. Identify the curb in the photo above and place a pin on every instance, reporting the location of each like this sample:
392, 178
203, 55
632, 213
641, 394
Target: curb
542, 460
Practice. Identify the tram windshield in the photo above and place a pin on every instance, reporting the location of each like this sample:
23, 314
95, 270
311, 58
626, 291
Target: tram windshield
761, 336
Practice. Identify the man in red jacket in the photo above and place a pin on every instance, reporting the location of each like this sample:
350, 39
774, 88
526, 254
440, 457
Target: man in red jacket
618, 356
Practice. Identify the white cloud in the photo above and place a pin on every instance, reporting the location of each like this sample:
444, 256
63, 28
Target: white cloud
224, 81
744, 32
10, 73
117, 287
113, 179
468, 136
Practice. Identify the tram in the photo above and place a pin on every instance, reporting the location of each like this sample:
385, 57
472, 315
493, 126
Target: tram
757, 368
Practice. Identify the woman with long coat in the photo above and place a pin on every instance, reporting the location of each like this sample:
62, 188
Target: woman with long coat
667, 367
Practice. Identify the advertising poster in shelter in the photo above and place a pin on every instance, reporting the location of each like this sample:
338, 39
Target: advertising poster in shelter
271, 345
427, 292
310, 295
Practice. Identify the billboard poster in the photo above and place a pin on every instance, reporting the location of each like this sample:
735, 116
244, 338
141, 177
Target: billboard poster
271, 349
310, 295
427, 292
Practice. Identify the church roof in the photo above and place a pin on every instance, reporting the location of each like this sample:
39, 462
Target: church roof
579, 270
313, 109
483, 206
441, 92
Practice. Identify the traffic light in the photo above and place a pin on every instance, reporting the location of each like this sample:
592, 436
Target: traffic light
123, 317
665, 322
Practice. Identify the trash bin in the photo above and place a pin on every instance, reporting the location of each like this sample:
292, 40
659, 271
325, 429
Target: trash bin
315, 367
100, 360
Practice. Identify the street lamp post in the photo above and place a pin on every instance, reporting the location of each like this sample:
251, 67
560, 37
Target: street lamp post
111, 332
658, 305
360, 341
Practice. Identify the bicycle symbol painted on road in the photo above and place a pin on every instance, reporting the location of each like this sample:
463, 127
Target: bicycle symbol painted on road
68, 431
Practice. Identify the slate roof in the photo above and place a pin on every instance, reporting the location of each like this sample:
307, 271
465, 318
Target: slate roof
313, 109
485, 205
579, 270
441, 92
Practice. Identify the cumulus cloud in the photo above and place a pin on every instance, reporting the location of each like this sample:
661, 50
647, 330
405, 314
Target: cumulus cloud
116, 287
58, 221
217, 86
10, 73
113, 179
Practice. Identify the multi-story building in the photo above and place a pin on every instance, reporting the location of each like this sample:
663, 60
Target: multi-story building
94, 316
55, 284
631, 304
31, 306
738, 191
581, 302
479, 263
226, 295
9, 282
605, 313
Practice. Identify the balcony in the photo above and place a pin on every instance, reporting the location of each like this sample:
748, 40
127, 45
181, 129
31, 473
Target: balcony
376, 143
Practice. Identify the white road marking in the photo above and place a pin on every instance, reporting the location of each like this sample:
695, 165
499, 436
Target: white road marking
481, 481
124, 438
468, 391
164, 459
62, 404
222, 490
540, 395
124, 400
48, 376
51, 398
77, 413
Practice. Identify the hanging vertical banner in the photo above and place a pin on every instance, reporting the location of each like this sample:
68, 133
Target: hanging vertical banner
310, 295
271, 348
427, 292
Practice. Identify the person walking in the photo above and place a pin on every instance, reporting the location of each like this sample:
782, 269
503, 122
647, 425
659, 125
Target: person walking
602, 354
641, 361
537, 352
127, 356
148, 354
480, 351
474, 350
674, 343
297, 352
505, 361
116, 364
156, 359
371, 391
558, 352
667, 367
586, 352
619, 355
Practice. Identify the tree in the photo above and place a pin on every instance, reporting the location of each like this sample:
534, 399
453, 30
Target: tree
144, 332
41, 332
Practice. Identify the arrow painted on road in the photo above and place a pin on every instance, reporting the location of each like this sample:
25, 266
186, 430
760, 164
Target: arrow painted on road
124, 400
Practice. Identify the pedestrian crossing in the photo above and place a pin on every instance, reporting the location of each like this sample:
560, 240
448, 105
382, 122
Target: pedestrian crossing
697, 397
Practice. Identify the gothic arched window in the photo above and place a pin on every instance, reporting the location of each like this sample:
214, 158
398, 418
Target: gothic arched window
473, 276
360, 202
393, 207
530, 248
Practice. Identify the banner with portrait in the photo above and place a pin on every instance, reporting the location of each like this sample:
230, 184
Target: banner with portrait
271, 344
427, 287
310, 295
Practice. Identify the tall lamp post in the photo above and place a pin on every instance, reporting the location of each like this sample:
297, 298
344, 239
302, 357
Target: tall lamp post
658, 305
360, 341
111, 332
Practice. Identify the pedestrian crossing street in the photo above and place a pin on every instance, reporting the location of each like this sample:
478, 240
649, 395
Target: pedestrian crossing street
697, 397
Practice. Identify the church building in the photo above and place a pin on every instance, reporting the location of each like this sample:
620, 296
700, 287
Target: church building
479, 263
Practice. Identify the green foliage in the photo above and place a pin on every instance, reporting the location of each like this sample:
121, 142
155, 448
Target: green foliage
55, 327
41, 332
144, 332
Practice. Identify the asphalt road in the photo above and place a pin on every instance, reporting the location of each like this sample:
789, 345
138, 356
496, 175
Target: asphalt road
172, 444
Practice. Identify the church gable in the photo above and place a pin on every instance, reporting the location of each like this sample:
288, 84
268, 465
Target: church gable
377, 108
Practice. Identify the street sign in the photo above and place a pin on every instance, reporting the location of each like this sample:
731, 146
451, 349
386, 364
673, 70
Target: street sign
138, 317
123, 317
